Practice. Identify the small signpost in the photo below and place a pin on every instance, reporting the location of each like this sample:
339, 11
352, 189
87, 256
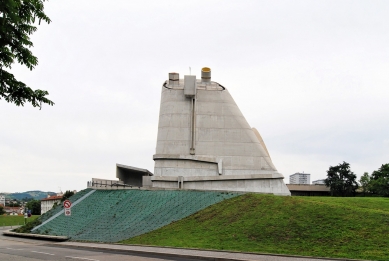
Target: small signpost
68, 212
67, 205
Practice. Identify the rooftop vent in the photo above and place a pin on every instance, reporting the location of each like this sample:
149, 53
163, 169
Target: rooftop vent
206, 74
190, 85
174, 78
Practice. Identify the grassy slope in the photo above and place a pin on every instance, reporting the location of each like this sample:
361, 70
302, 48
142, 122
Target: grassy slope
313, 226
15, 220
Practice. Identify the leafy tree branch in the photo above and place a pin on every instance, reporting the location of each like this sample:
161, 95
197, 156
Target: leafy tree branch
17, 19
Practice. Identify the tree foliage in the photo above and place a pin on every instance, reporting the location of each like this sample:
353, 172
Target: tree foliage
17, 19
13, 203
365, 182
34, 206
2, 210
379, 181
28, 227
341, 180
67, 195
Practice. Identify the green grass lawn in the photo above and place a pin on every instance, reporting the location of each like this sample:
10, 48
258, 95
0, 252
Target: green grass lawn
15, 220
311, 226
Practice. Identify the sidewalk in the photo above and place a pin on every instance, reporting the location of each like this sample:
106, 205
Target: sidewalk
191, 253
4, 228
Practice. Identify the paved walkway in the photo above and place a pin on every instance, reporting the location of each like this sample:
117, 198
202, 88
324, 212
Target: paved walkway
4, 228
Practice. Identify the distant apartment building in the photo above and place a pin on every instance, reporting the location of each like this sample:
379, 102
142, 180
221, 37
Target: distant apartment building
319, 182
48, 203
14, 210
2, 200
300, 178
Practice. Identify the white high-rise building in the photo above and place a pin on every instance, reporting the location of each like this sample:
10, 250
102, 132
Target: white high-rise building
48, 203
2, 200
300, 178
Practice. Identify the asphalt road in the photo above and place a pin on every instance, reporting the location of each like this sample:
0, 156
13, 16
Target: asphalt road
19, 249
25, 249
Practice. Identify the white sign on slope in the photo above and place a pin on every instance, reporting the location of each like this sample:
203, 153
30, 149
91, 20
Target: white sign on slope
68, 212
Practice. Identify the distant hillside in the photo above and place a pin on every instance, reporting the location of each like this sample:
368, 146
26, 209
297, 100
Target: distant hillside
35, 194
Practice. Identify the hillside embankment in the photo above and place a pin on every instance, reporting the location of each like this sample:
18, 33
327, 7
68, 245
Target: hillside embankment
310, 226
114, 215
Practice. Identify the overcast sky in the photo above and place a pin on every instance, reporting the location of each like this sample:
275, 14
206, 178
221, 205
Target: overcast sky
311, 76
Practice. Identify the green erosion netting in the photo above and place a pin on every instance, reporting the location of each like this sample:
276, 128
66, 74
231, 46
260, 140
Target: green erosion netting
115, 215
54, 211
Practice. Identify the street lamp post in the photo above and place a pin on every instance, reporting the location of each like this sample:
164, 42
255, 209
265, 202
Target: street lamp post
25, 215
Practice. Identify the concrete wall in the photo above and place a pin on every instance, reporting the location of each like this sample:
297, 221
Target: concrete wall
129, 178
220, 131
308, 190
207, 135
178, 167
271, 186
131, 175
146, 181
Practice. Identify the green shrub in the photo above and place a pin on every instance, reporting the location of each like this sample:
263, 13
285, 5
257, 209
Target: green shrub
27, 227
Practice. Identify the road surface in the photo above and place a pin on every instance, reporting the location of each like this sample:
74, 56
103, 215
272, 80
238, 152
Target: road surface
23, 249
19, 249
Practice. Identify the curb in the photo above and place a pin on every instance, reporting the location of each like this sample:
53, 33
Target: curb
35, 236
152, 253
252, 253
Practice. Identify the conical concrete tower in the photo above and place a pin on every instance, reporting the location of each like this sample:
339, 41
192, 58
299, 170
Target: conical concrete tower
204, 142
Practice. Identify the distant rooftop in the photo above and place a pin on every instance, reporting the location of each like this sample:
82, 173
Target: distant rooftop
52, 198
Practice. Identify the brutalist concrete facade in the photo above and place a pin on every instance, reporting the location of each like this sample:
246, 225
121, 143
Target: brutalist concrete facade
204, 142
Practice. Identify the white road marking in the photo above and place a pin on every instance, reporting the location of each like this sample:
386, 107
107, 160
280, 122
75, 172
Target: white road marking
76, 257
43, 253
15, 248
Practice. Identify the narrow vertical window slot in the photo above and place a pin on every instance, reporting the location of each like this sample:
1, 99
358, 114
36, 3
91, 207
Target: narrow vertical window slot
193, 127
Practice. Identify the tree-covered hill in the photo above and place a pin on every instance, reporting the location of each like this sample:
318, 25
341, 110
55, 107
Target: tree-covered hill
34, 194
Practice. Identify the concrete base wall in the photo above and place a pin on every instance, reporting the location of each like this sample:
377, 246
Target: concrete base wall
271, 186
146, 181
175, 172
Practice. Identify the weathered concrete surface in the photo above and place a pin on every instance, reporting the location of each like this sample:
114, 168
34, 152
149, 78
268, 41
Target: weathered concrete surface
204, 141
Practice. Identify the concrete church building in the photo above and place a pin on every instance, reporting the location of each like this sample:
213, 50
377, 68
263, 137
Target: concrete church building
204, 143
